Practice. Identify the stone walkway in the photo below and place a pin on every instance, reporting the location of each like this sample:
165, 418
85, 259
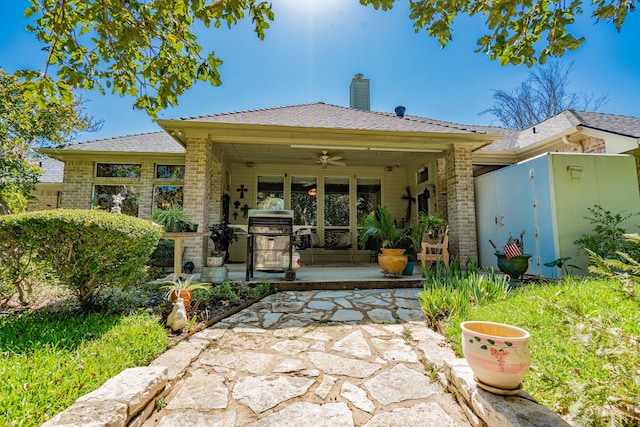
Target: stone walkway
313, 358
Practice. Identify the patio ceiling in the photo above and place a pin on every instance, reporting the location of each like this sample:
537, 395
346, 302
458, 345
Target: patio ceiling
262, 144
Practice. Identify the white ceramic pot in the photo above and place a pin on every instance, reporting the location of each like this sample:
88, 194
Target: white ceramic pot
497, 353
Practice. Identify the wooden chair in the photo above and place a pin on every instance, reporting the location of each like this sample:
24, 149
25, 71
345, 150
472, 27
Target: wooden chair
432, 250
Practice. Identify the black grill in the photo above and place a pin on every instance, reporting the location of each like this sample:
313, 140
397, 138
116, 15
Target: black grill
270, 232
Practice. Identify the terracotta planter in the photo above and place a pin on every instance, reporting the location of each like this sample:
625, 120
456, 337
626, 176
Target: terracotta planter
497, 353
185, 295
392, 261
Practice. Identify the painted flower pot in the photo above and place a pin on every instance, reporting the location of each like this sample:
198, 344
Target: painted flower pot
185, 295
392, 261
497, 353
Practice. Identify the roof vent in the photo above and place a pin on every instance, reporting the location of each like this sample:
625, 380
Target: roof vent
400, 111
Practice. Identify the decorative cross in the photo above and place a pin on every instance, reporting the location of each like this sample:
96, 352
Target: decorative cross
242, 189
235, 215
410, 200
117, 201
245, 210
236, 204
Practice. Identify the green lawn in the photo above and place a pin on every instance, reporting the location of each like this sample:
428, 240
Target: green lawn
585, 345
48, 360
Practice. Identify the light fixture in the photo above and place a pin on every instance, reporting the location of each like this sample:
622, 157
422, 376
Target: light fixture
312, 192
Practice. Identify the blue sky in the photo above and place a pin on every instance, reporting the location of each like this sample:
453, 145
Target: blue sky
315, 47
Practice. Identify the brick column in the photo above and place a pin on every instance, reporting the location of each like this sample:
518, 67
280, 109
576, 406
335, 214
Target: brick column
461, 205
198, 164
145, 202
77, 185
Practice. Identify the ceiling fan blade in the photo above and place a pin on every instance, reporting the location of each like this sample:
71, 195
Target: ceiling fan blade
313, 162
331, 162
334, 158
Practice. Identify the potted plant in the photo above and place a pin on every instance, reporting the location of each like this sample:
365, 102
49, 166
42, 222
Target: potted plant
432, 226
183, 289
414, 232
381, 225
173, 219
222, 236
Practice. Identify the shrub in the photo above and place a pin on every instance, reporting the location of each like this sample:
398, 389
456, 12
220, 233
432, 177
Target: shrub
454, 291
608, 236
87, 250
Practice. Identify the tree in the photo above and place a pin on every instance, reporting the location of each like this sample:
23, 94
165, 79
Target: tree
542, 95
24, 126
519, 31
146, 49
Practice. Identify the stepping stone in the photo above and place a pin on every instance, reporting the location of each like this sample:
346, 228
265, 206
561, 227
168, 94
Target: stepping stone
270, 318
408, 293
336, 365
325, 386
191, 418
422, 415
343, 303
357, 396
409, 315
395, 349
353, 344
265, 392
244, 361
367, 302
381, 315
413, 304
201, 391
287, 307
305, 414
289, 365
373, 331
321, 305
398, 384
290, 347
332, 294
346, 316
238, 342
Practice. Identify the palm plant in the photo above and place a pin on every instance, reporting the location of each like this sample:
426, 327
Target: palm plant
381, 225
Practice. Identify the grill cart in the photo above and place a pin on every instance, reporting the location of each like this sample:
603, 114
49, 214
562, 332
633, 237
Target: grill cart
269, 237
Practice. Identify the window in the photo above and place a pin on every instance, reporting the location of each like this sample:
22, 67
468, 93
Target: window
368, 196
167, 195
117, 170
103, 197
336, 202
170, 171
422, 175
270, 192
304, 200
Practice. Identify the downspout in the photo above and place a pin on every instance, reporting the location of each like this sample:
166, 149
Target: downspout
578, 145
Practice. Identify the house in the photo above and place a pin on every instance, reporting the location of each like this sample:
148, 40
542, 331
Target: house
327, 163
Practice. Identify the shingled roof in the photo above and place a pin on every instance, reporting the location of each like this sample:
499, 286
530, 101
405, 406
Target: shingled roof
154, 142
321, 115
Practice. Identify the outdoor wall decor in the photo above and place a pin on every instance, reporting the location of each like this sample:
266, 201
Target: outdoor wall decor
242, 189
245, 210
235, 216
236, 204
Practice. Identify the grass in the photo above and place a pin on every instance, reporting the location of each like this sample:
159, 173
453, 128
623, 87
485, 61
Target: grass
53, 353
585, 336
50, 359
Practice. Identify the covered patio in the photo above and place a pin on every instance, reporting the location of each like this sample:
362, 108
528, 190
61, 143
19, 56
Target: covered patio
233, 160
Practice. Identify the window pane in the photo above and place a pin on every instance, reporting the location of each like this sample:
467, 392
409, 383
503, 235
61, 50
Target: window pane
117, 170
167, 195
368, 196
336, 202
304, 200
270, 192
170, 171
103, 197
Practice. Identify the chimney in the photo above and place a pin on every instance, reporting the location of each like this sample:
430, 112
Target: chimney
359, 93
400, 111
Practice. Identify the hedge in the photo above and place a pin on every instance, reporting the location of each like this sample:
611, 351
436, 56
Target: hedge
86, 249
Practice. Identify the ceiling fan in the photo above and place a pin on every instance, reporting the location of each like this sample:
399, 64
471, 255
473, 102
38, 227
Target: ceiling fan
325, 159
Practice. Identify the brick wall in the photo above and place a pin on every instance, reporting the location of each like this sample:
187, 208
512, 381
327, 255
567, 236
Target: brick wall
201, 187
46, 196
461, 204
77, 184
